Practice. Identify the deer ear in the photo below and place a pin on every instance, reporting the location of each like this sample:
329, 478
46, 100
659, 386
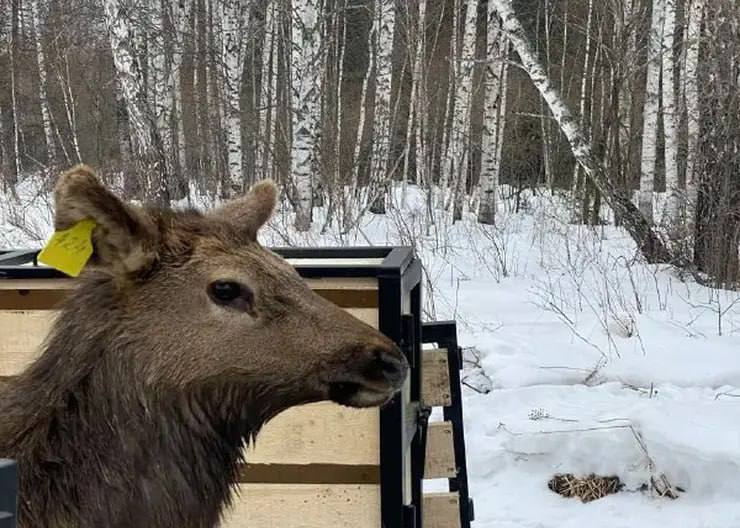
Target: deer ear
124, 238
253, 210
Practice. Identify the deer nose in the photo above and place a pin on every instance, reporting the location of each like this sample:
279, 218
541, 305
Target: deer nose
388, 365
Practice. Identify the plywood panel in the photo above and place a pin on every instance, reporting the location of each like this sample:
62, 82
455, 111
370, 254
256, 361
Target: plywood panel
440, 454
366, 315
319, 433
22, 332
21, 335
305, 506
435, 387
36, 284
336, 262
441, 510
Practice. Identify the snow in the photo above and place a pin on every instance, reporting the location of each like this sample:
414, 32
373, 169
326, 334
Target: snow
584, 359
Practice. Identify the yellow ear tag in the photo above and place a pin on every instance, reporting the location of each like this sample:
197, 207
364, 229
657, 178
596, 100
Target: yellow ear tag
70, 249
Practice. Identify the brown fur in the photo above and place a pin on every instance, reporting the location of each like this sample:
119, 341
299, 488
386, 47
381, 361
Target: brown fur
137, 411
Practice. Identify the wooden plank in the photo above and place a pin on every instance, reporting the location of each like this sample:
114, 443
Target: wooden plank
36, 284
440, 454
309, 474
322, 432
22, 332
441, 510
342, 283
21, 335
45, 294
435, 387
336, 262
34, 299
304, 506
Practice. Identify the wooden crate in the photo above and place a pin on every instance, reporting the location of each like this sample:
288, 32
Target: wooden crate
291, 478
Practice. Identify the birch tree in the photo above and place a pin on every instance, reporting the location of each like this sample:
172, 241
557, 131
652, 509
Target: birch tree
494, 120
650, 111
43, 84
233, 11
457, 160
12, 54
693, 114
670, 116
639, 228
130, 75
305, 105
384, 21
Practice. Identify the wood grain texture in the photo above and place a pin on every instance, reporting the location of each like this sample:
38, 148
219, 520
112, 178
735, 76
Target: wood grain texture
324, 432
441, 510
304, 506
440, 454
435, 387
21, 336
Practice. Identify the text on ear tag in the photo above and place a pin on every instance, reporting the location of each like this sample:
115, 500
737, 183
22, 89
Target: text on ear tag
69, 250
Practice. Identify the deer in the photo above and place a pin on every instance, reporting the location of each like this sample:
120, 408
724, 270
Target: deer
181, 338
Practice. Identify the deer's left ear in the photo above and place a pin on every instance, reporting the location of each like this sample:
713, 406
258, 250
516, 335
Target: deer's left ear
124, 238
253, 210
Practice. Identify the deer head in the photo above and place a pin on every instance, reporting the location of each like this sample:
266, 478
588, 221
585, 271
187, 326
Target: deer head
198, 306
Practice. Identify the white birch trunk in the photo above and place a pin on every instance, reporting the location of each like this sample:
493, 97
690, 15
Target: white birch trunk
305, 99
130, 75
494, 119
385, 19
415, 125
232, 77
691, 88
582, 98
43, 85
12, 45
650, 112
670, 117
460, 143
639, 229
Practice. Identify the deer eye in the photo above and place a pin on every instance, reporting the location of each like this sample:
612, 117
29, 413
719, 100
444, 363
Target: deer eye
231, 294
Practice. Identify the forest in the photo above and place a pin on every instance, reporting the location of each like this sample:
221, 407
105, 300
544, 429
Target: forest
627, 110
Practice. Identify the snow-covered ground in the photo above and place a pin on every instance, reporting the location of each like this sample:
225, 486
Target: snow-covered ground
581, 359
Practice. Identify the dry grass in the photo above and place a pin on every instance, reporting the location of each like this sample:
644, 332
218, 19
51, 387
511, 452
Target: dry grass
587, 488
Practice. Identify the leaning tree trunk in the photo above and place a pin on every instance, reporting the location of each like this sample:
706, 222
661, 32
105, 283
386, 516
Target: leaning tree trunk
305, 99
650, 113
494, 119
51, 150
647, 240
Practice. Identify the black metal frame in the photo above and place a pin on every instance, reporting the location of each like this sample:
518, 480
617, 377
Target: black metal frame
399, 305
444, 334
8, 493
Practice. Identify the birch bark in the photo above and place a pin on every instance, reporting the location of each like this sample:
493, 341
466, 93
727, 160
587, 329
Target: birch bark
670, 117
494, 120
232, 76
53, 157
691, 90
458, 161
305, 99
650, 112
